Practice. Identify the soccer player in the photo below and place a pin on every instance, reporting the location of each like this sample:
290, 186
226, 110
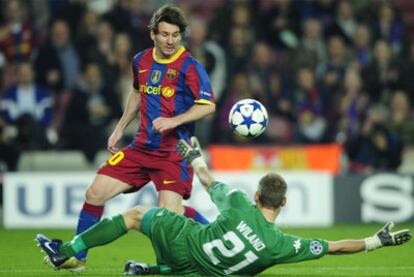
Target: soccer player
170, 91
241, 241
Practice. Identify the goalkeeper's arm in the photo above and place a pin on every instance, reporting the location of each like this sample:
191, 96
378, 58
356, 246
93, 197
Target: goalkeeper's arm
192, 154
384, 237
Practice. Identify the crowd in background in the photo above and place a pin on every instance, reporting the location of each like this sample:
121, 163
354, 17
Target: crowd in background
327, 71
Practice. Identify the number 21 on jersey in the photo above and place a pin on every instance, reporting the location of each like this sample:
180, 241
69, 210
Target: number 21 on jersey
238, 247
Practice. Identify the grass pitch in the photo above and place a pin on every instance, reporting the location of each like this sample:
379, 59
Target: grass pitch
19, 255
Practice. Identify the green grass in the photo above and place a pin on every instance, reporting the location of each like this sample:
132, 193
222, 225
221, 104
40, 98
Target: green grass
19, 255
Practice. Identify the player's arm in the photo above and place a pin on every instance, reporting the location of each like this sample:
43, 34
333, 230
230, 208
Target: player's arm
192, 154
196, 112
130, 112
384, 237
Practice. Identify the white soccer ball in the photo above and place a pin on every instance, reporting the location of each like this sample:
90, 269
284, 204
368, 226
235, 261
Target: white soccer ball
248, 118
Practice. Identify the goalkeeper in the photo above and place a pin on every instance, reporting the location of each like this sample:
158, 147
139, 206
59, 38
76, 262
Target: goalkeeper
242, 241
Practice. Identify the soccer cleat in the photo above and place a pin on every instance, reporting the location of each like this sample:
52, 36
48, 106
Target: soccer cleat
55, 259
134, 268
51, 248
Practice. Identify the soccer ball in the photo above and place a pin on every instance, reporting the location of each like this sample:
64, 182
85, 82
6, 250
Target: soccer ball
248, 118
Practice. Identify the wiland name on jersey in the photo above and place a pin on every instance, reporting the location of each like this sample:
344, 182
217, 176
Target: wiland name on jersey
247, 232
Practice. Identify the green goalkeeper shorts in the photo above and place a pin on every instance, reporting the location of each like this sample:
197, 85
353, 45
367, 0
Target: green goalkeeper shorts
168, 232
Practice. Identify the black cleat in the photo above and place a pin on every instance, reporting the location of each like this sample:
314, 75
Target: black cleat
51, 248
134, 268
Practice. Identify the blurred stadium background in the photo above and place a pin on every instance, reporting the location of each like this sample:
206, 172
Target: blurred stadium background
335, 76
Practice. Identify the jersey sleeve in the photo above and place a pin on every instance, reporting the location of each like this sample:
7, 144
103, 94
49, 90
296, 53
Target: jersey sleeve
134, 67
199, 84
296, 249
225, 197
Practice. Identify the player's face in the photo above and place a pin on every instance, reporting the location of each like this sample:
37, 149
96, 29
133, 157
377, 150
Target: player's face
167, 40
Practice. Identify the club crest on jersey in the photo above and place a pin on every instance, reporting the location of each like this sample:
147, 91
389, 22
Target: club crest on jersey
155, 76
171, 74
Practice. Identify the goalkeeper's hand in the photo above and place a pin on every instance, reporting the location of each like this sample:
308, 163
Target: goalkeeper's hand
384, 237
192, 153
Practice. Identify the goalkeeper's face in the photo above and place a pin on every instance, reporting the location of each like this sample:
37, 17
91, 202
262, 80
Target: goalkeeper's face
166, 40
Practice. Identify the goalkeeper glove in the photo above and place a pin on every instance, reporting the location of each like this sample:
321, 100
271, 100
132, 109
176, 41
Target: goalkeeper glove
384, 237
192, 153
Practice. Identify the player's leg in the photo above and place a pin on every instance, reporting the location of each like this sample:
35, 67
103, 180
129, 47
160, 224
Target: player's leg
173, 180
101, 190
114, 177
104, 232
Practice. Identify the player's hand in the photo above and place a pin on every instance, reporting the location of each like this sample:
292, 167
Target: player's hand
113, 140
389, 238
191, 153
384, 237
162, 124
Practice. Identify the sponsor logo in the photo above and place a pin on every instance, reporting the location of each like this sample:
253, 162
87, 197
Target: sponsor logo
157, 90
160, 213
315, 247
47, 245
167, 92
387, 197
166, 182
202, 92
156, 76
171, 74
297, 245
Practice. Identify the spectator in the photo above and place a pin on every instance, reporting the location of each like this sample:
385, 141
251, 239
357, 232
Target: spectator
382, 75
331, 73
352, 105
18, 39
27, 107
401, 117
312, 49
344, 24
58, 67
102, 53
388, 27
362, 50
238, 49
311, 121
58, 63
89, 115
279, 24
87, 30
375, 147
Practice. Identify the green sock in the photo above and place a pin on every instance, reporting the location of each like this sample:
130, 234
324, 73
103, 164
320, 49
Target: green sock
160, 269
107, 230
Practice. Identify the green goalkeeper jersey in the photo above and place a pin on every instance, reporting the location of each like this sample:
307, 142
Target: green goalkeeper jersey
242, 242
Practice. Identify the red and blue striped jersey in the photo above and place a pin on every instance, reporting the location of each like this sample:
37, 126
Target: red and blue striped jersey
168, 87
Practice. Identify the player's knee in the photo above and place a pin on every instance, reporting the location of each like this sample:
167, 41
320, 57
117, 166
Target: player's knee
94, 196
